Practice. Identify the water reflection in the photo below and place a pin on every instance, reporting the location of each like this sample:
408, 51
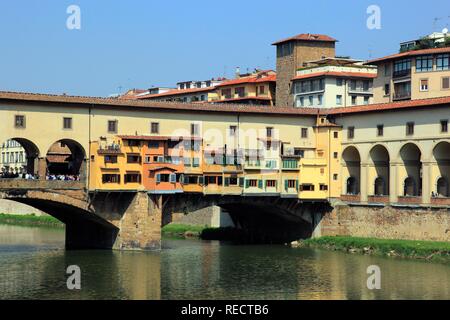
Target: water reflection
33, 264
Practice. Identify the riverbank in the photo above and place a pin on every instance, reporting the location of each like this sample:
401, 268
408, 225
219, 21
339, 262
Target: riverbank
30, 220
425, 250
182, 231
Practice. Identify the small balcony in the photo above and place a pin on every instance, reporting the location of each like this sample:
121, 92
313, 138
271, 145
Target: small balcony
402, 73
402, 95
111, 149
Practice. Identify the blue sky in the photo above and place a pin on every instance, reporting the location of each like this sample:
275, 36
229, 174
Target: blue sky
127, 44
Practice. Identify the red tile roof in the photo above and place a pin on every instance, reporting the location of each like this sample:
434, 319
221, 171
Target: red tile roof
307, 37
245, 98
422, 103
249, 79
336, 74
176, 92
411, 54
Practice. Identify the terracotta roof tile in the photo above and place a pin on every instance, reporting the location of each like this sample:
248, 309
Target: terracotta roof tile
423, 103
249, 79
307, 37
153, 105
410, 54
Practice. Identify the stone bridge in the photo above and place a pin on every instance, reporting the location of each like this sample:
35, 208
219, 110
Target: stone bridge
133, 220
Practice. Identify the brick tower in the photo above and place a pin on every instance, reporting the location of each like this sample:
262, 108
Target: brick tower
292, 53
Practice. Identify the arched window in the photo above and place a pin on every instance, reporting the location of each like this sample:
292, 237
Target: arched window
380, 186
409, 187
442, 187
352, 187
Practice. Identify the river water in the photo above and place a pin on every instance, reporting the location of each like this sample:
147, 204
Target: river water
33, 265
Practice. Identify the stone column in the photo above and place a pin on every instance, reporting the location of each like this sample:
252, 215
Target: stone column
140, 225
364, 182
42, 168
393, 183
426, 183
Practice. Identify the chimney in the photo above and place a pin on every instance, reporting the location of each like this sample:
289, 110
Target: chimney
238, 72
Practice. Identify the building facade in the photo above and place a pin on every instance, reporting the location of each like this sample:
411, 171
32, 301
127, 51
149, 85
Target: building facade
13, 157
412, 75
333, 82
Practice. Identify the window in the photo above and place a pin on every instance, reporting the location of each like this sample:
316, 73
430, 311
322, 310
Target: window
301, 101
252, 183
240, 92
444, 126
387, 89
319, 99
299, 152
336, 134
154, 128
67, 123
226, 93
424, 63
424, 85
132, 178
311, 100
110, 159
285, 49
307, 187
291, 184
112, 126
162, 178
271, 183
402, 68
304, 133
269, 132
354, 100
133, 143
351, 132
111, 178
335, 155
335, 177
195, 129
339, 100
323, 187
133, 158
443, 62
353, 85
153, 144
233, 130
366, 100
262, 89
410, 128
446, 83
380, 130
19, 121
339, 82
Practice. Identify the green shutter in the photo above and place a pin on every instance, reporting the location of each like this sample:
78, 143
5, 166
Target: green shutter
241, 182
227, 182
260, 184
158, 178
247, 184
286, 185
296, 185
201, 180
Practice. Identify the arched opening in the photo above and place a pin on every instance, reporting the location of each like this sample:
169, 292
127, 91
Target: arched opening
380, 187
66, 160
380, 159
442, 187
352, 186
19, 159
409, 187
352, 170
441, 155
411, 156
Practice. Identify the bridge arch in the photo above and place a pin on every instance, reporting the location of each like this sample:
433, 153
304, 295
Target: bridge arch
19, 156
351, 170
66, 157
410, 169
441, 169
380, 170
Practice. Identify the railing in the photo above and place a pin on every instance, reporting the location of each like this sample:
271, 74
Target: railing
17, 184
290, 164
401, 73
402, 95
111, 149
